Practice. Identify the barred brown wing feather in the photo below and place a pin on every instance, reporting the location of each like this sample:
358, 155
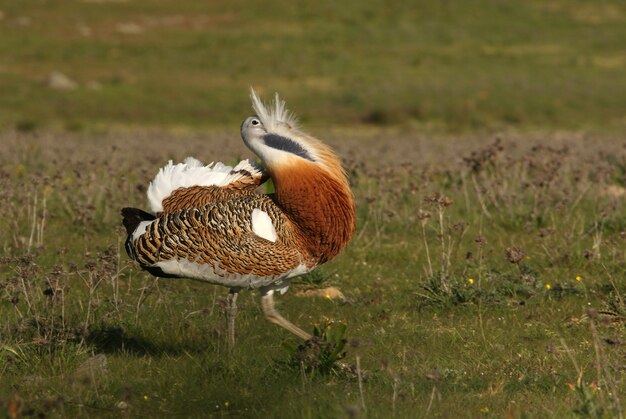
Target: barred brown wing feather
218, 239
241, 182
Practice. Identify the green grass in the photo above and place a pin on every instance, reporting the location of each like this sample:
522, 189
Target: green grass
86, 333
451, 67
443, 317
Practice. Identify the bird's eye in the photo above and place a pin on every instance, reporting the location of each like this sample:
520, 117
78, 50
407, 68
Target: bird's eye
255, 122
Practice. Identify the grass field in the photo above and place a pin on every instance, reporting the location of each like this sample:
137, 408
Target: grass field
485, 146
503, 296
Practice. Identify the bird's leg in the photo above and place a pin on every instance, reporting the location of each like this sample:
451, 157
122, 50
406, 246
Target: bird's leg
231, 312
267, 301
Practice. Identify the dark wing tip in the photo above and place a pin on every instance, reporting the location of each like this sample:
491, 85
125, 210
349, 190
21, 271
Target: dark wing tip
132, 218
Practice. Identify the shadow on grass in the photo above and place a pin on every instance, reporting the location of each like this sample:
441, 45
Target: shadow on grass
116, 340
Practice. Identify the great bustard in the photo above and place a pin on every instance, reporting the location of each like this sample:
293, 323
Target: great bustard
208, 222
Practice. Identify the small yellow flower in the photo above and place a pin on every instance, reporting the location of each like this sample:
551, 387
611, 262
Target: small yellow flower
145, 397
579, 278
471, 281
226, 404
548, 286
327, 296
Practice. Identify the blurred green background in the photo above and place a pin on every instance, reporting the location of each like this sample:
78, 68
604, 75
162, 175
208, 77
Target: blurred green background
430, 65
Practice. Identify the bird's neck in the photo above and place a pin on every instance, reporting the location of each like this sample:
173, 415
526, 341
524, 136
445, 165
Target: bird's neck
319, 204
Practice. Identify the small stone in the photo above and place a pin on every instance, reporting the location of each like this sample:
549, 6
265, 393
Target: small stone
23, 21
59, 81
129, 28
84, 30
614, 191
93, 85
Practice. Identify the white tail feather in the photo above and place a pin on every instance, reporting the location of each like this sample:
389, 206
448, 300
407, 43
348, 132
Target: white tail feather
193, 173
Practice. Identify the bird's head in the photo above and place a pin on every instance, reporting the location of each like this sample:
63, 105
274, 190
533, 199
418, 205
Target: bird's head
273, 134
310, 185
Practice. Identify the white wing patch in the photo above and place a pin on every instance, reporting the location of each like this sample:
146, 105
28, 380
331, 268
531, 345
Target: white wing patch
141, 228
193, 173
262, 225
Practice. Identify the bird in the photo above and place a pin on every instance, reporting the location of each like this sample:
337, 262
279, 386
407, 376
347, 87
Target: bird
211, 223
